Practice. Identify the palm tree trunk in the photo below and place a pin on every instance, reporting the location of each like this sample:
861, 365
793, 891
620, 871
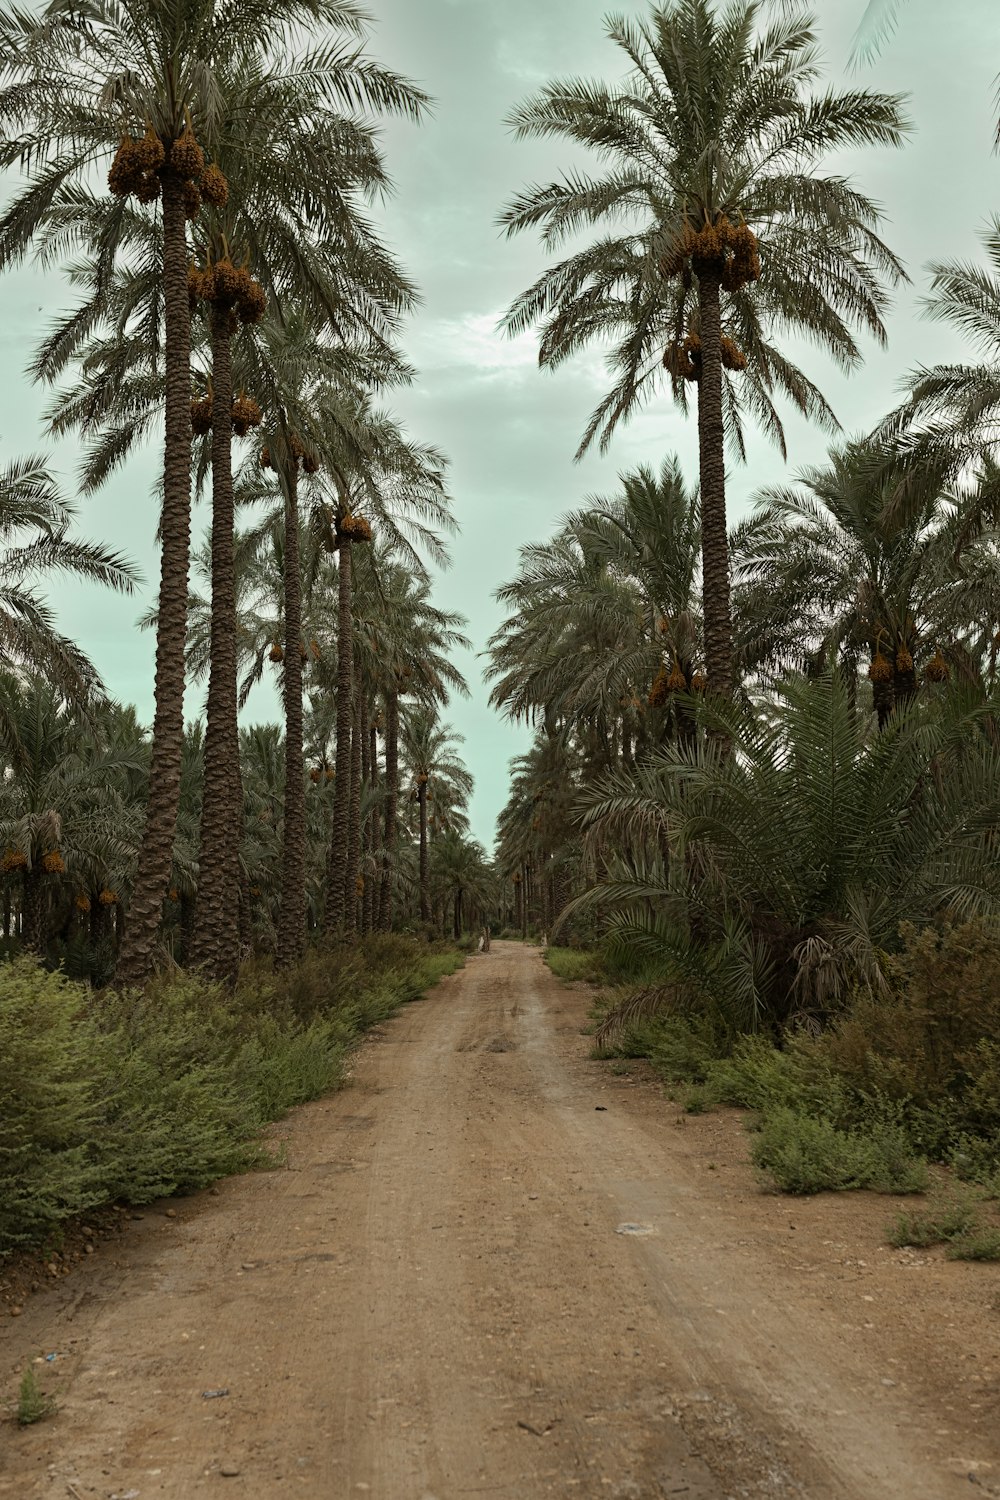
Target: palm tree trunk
391, 805
216, 935
353, 829
458, 915
292, 922
157, 848
32, 903
712, 473
370, 839
425, 871
336, 872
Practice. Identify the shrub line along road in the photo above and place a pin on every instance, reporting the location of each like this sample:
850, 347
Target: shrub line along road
471, 1279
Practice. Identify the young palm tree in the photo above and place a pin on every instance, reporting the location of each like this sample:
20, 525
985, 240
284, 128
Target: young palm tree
794, 860
713, 147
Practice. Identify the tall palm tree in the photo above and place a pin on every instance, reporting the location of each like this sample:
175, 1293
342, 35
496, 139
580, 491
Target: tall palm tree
713, 145
408, 643
435, 770
400, 486
74, 87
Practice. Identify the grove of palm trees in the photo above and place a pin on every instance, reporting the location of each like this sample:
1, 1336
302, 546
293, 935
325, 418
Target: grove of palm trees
725, 662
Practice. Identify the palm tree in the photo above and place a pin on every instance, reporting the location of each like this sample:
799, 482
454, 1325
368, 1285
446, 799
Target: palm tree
829, 566
949, 423
713, 144
407, 642
436, 773
35, 542
794, 860
604, 611
463, 877
400, 484
75, 87
63, 803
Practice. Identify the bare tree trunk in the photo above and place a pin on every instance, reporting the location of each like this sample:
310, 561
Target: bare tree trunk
216, 932
157, 848
391, 804
336, 872
712, 473
292, 921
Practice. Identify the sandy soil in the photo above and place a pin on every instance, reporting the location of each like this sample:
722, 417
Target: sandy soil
493, 1267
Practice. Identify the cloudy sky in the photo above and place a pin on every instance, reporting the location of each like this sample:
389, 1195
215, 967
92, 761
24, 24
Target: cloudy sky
511, 431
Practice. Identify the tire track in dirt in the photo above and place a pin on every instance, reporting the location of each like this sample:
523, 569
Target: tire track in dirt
433, 1301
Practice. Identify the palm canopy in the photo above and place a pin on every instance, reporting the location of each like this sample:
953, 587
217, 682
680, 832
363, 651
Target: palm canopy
950, 419
715, 119
594, 611
299, 173
826, 565
75, 80
35, 543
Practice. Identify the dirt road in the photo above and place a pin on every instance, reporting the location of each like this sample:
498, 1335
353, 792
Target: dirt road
492, 1268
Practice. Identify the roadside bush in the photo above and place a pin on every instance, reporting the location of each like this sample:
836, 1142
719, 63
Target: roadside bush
47, 1109
141, 1095
571, 964
803, 1153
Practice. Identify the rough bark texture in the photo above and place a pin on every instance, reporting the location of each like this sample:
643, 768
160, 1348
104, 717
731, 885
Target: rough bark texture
216, 934
156, 851
336, 872
712, 473
353, 864
292, 924
391, 803
370, 835
32, 907
425, 872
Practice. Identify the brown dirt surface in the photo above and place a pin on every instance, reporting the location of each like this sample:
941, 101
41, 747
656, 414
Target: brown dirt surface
495, 1267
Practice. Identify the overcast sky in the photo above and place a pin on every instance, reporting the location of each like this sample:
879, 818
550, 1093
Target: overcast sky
510, 430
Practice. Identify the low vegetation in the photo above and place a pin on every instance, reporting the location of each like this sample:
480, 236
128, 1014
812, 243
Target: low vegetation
897, 1079
33, 1405
136, 1096
572, 964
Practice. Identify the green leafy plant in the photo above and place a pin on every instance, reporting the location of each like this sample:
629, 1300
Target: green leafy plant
33, 1405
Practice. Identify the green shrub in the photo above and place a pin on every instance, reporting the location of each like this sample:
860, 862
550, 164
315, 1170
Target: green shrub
47, 1106
802, 1153
980, 1244
955, 1219
571, 964
141, 1095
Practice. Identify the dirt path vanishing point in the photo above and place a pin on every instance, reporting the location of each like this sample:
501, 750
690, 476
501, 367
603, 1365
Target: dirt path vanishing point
493, 1268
